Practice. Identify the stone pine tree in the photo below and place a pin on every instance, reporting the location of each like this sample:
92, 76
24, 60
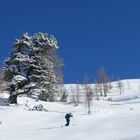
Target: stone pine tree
41, 71
29, 69
1, 81
14, 68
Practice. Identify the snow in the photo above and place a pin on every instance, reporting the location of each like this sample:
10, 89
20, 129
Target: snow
26, 36
18, 79
109, 120
21, 57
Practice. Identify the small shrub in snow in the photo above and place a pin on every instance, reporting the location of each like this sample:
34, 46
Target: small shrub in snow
109, 99
131, 108
39, 107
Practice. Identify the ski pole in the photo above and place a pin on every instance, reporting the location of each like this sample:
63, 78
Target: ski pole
73, 121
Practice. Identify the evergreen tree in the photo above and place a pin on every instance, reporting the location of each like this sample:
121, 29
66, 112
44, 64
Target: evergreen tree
30, 67
2, 82
14, 68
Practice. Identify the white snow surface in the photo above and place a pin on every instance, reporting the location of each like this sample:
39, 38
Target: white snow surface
18, 78
118, 119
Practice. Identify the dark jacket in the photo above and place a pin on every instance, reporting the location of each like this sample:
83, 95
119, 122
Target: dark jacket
67, 116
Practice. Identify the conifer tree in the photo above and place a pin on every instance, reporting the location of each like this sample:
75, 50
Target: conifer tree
14, 67
30, 67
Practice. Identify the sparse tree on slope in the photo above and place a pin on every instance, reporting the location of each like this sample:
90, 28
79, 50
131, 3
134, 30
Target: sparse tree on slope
102, 80
88, 93
120, 85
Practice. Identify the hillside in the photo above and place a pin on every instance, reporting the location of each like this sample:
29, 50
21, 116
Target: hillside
115, 119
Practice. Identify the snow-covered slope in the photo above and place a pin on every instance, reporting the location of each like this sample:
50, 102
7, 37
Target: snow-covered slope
118, 119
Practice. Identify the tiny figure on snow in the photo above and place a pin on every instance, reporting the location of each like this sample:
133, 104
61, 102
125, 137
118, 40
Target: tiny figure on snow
68, 116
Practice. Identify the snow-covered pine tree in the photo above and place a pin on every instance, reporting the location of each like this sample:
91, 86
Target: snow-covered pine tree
2, 82
41, 72
29, 69
14, 68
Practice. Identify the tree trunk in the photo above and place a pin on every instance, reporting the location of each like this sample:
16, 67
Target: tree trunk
13, 99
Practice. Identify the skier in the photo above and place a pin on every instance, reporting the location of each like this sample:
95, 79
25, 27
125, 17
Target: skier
67, 116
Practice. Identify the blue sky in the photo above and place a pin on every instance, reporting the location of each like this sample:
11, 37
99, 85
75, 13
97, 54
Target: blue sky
90, 33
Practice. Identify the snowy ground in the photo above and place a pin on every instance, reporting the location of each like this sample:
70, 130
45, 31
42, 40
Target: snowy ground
116, 120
